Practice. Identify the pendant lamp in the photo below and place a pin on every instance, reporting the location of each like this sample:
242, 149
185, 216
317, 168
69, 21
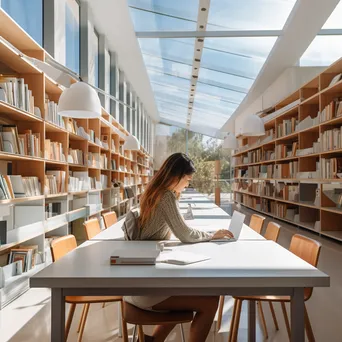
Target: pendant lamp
253, 126
131, 143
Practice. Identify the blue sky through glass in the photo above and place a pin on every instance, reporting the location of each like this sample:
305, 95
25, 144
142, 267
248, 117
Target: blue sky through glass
28, 14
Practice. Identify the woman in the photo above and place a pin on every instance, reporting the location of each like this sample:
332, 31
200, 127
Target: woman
159, 217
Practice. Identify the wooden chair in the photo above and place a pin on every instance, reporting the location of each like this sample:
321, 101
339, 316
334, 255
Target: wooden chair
92, 228
272, 233
59, 248
257, 222
109, 219
139, 317
306, 249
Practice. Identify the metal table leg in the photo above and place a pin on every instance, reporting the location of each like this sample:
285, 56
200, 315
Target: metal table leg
57, 315
297, 315
251, 321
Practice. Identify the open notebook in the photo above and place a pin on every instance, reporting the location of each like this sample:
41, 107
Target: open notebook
177, 257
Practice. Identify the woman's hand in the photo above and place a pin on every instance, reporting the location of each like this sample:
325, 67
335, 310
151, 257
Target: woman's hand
222, 234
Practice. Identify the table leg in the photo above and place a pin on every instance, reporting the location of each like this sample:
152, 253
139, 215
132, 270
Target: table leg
297, 315
57, 315
251, 321
119, 319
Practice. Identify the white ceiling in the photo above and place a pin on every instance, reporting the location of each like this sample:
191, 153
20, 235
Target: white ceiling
112, 18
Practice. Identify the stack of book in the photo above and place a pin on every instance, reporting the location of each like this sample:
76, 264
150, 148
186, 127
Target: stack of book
16, 93
51, 113
76, 156
54, 150
308, 122
26, 254
287, 192
268, 155
286, 150
254, 156
71, 125
253, 171
54, 182
269, 189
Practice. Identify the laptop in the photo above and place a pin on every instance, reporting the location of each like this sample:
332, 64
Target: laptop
134, 257
235, 227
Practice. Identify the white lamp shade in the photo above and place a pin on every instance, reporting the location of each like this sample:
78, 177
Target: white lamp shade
131, 143
230, 142
79, 101
253, 126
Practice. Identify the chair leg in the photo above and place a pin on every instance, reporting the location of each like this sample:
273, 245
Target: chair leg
103, 305
232, 322
123, 324
273, 315
69, 320
83, 322
182, 332
134, 333
308, 328
141, 333
237, 320
262, 319
81, 319
287, 323
220, 312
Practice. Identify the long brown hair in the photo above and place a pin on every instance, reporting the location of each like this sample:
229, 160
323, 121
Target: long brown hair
172, 171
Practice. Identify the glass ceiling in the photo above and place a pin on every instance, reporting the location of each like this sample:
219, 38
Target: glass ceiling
227, 67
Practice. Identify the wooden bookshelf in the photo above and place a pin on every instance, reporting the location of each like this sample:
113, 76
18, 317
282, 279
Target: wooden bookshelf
75, 206
312, 120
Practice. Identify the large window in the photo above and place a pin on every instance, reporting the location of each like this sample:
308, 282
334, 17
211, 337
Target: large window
93, 51
72, 35
28, 14
107, 79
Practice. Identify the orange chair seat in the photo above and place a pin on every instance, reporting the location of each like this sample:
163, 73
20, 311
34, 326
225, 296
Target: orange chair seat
307, 295
134, 315
92, 299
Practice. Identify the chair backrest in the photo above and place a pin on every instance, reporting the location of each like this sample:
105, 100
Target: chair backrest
92, 228
109, 219
62, 246
272, 231
256, 222
308, 250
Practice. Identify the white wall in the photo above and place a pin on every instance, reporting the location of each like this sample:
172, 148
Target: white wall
288, 82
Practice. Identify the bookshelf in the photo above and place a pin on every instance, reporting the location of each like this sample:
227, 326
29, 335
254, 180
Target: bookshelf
294, 172
74, 163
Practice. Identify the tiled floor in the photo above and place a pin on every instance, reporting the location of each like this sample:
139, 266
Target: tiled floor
28, 318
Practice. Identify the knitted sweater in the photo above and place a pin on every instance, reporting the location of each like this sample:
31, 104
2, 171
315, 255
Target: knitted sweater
166, 220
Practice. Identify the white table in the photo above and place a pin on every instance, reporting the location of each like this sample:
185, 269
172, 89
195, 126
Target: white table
241, 268
115, 232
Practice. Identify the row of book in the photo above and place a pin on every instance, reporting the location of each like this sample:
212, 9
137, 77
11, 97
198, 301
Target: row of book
97, 160
54, 182
51, 113
332, 110
331, 168
76, 156
287, 170
54, 150
15, 92
26, 256
27, 143
287, 127
16, 186
286, 150
331, 139
287, 192
254, 156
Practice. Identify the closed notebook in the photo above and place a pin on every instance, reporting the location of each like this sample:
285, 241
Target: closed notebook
134, 256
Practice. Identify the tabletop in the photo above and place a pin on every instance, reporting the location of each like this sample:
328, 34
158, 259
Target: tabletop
241, 264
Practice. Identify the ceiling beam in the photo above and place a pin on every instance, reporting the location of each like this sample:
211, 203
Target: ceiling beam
302, 26
208, 34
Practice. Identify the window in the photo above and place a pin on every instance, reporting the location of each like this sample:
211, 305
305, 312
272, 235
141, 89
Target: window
72, 35
107, 79
93, 52
28, 14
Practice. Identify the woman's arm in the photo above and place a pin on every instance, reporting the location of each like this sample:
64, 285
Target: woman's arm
176, 222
